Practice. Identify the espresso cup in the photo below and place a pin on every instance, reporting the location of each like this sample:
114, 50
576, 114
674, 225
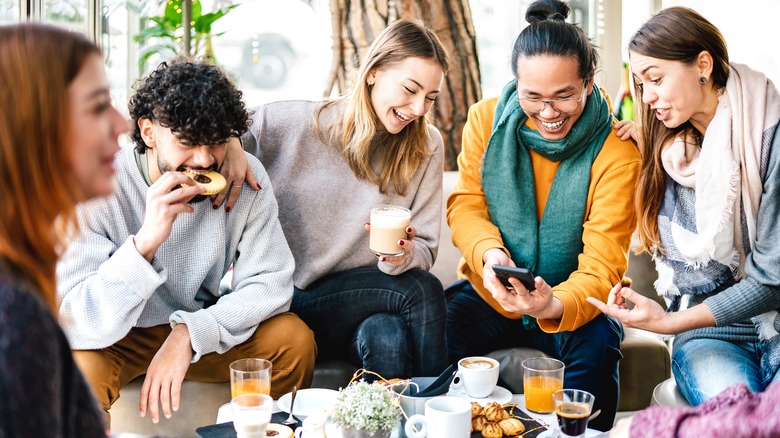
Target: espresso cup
388, 226
477, 375
445, 417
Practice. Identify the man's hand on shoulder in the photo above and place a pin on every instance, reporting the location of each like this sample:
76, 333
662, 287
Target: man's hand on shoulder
162, 384
164, 202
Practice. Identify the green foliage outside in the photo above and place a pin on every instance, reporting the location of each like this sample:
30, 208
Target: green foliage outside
164, 36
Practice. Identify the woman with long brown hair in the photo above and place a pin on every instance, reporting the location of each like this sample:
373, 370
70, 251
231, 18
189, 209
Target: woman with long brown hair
58, 137
708, 201
330, 162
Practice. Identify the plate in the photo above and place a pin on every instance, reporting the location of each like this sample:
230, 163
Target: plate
308, 401
555, 433
499, 395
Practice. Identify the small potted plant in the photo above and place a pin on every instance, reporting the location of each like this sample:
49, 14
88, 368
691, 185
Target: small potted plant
365, 410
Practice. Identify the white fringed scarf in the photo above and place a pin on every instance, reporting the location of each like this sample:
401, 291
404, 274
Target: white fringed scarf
725, 174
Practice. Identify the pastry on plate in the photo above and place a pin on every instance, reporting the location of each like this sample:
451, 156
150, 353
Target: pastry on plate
492, 430
275, 430
494, 412
476, 409
478, 423
512, 426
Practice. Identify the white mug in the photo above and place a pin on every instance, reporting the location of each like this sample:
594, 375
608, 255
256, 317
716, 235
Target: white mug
313, 426
445, 417
478, 375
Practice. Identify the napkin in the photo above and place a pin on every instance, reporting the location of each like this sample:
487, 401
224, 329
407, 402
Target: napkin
439, 386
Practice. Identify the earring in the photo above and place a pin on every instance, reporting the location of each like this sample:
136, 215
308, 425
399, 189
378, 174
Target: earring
703, 80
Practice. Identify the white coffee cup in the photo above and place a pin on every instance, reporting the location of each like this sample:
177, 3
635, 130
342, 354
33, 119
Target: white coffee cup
477, 375
313, 426
388, 226
445, 417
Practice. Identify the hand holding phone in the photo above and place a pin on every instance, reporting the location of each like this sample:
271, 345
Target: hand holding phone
521, 274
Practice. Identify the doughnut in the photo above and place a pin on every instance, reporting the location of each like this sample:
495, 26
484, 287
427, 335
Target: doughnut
212, 181
275, 430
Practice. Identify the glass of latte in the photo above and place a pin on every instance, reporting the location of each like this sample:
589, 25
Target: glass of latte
388, 226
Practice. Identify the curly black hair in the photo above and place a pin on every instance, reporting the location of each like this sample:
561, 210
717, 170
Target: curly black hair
197, 101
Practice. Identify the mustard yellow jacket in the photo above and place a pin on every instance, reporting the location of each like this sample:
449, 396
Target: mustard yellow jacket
608, 223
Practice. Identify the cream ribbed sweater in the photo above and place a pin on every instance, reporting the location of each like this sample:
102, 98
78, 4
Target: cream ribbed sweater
106, 287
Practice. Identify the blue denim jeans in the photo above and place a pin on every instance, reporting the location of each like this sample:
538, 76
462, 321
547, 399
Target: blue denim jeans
703, 368
591, 353
392, 325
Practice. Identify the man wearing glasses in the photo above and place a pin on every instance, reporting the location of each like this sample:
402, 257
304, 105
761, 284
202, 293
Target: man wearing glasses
547, 185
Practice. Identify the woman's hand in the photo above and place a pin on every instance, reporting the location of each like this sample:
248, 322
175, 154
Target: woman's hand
235, 168
407, 244
646, 314
626, 129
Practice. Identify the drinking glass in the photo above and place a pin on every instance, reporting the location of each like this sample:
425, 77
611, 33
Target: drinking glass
250, 376
572, 408
542, 376
251, 414
388, 226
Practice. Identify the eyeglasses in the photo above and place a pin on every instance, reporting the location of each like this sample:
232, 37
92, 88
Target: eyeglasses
562, 105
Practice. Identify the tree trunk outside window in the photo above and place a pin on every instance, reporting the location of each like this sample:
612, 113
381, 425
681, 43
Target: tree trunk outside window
357, 23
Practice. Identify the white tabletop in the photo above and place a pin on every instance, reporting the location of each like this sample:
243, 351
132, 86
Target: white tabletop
225, 414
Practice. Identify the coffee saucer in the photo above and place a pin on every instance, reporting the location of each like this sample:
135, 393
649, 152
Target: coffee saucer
499, 395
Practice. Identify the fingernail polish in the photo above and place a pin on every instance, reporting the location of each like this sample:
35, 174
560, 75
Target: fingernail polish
383, 259
408, 229
227, 209
258, 187
400, 243
216, 206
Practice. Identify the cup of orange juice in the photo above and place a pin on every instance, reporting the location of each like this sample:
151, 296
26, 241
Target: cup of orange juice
250, 376
542, 376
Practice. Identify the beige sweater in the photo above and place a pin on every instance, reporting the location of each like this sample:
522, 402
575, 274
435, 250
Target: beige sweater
323, 206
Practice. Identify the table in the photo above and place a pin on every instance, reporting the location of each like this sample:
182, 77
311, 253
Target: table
224, 415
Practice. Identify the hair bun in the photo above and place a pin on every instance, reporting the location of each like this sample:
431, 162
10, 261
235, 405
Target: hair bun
542, 10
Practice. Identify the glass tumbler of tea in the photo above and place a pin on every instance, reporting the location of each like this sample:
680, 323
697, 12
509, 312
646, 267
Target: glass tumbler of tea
541, 377
572, 408
250, 376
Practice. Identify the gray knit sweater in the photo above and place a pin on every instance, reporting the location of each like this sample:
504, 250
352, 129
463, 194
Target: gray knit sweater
323, 206
107, 287
760, 291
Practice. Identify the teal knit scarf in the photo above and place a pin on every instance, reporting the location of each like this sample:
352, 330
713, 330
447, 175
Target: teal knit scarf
550, 248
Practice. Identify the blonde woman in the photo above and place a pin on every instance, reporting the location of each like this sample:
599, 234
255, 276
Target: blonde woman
330, 162
58, 137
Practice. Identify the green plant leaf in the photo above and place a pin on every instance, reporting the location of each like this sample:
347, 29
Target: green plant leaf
166, 51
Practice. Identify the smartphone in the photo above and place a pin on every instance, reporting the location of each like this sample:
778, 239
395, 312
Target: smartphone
523, 275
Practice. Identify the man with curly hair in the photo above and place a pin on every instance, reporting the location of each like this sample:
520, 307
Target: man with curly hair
140, 287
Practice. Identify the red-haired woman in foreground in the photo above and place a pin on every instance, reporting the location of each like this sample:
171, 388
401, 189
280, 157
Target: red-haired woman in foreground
58, 137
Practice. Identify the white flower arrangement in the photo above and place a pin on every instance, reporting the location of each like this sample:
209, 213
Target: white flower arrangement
366, 406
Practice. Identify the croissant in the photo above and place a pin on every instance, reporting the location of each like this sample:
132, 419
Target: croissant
478, 423
476, 409
494, 412
492, 430
512, 426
